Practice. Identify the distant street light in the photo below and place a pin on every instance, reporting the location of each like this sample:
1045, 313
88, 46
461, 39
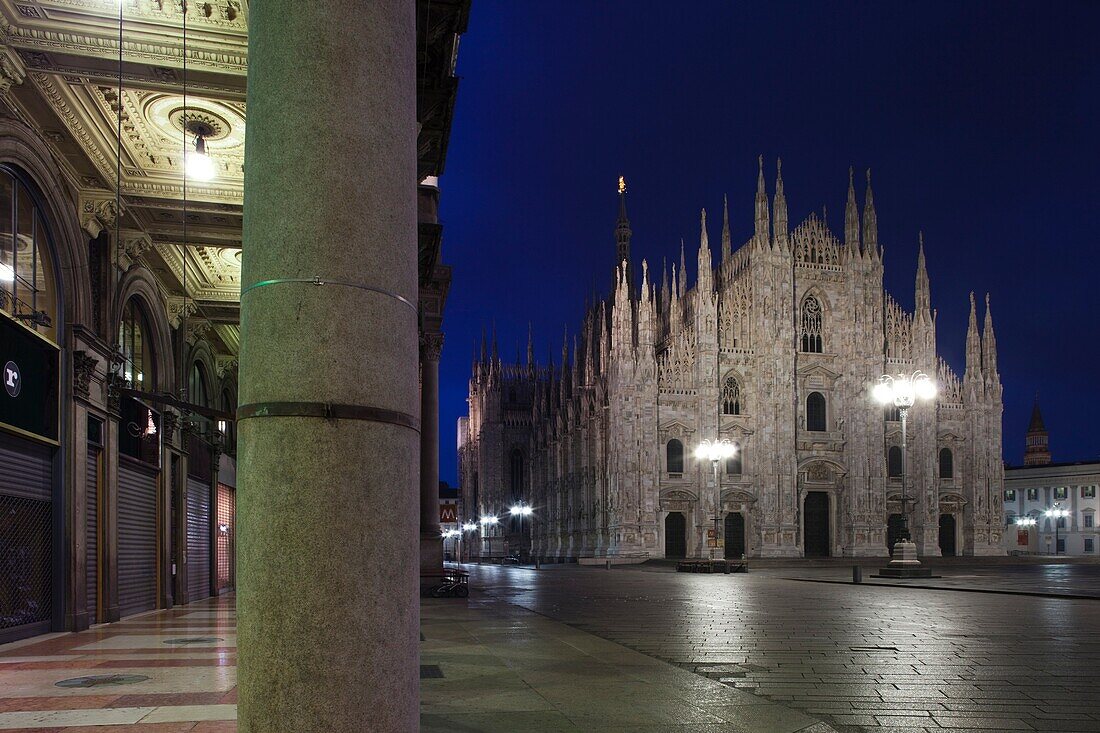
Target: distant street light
1057, 513
716, 451
487, 521
902, 391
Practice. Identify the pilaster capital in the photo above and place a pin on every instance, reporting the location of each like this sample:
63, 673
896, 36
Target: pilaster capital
176, 307
83, 370
12, 69
168, 422
431, 346
98, 211
197, 328
134, 243
225, 364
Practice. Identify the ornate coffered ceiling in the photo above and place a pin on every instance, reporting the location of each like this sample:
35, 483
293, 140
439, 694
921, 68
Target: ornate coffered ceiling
61, 60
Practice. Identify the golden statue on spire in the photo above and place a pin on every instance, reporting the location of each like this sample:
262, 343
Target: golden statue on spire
622, 184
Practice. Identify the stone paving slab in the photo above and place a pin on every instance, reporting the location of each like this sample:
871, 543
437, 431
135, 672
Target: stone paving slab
508, 669
861, 657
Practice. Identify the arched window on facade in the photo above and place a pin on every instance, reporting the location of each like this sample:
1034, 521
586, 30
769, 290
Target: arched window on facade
735, 462
674, 456
137, 347
893, 462
516, 463
890, 413
198, 393
731, 397
947, 463
811, 325
28, 290
815, 412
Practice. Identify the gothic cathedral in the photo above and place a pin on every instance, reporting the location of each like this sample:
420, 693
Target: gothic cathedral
775, 350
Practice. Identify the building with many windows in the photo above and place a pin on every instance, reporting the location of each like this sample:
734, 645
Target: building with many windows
1039, 486
775, 349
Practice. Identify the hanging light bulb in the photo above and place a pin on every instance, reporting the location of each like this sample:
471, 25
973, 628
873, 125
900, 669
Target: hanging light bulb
200, 166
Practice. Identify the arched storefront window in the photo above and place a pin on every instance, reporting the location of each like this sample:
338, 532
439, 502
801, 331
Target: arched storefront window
28, 290
137, 347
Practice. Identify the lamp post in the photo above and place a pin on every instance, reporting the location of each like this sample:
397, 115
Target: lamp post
486, 521
521, 510
902, 391
466, 527
1057, 513
716, 451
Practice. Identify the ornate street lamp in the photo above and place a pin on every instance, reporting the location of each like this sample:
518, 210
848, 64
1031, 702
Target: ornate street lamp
716, 451
1057, 513
902, 391
521, 510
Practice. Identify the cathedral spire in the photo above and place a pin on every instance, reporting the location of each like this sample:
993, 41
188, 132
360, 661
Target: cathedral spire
762, 223
870, 222
682, 281
530, 346
851, 218
727, 244
484, 349
706, 275
989, 346
923, 299
664, 283
973, 345
780, 209
623, 232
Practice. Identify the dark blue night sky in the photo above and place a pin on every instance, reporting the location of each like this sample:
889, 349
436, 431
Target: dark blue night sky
978, 120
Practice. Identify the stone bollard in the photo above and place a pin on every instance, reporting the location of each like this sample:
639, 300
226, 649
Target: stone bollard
857, 574
607, 564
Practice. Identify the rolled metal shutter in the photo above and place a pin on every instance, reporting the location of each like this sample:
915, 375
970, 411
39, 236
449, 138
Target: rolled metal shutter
26, 547
198, 539
227, 511
91, 530
137, 539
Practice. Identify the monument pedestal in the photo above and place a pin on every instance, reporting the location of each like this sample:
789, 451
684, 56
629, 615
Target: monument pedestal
905, 563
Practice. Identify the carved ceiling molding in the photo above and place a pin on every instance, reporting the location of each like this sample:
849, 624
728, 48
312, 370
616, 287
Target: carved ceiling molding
211, 274
230, 335
64, 107
96, 38
150, 167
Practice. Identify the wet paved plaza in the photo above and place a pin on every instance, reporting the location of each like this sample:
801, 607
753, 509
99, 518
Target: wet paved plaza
862, 657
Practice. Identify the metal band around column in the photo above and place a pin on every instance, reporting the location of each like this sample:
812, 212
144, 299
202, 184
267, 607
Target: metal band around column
318, 280
328, 411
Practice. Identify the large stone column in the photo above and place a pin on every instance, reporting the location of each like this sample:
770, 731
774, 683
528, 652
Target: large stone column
328, 417
431, 546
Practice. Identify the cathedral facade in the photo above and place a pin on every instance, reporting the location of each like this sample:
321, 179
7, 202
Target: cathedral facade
776, 350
